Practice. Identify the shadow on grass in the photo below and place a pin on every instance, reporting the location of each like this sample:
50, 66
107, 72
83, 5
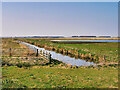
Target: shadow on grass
53, 62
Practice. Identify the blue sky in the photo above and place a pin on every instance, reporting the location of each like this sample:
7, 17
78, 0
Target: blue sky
59, 18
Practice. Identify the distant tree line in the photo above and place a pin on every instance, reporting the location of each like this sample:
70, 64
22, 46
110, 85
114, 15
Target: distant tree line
92, 36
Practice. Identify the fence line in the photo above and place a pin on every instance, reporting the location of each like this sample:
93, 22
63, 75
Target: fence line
43, 54
23, 52
13, 53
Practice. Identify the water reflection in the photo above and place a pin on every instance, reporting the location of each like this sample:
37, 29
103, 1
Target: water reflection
91, 40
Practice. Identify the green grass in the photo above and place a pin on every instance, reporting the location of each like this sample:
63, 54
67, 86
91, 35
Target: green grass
99, 48
51, 77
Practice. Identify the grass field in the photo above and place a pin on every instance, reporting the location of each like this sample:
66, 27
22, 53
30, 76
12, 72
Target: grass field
99, 49
59, 75
53, 77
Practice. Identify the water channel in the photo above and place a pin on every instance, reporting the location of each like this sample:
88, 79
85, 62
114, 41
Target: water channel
61, 57
91, 40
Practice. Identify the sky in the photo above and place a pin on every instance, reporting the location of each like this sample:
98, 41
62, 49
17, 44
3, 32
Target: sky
0, 19
59, 18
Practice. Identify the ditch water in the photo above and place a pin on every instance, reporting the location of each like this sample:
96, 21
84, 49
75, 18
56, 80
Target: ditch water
61, 57
91, 40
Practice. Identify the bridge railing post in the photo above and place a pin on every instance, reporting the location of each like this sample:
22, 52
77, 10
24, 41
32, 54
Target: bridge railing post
10, 52
49, 58
36, 52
